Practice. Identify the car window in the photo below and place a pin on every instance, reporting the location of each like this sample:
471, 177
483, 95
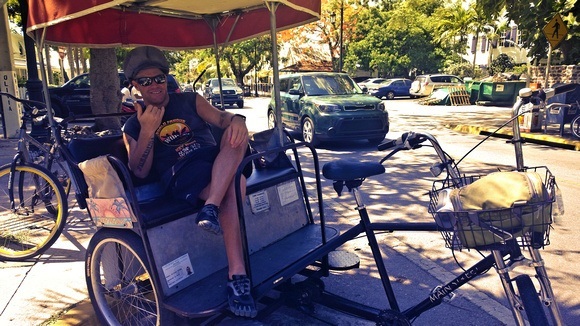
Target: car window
82, 82
228, 82
455, 80
284, 85
330, 84
397, 83
295, 84
420, 79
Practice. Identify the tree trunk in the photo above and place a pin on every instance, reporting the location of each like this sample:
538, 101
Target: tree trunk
105, 92
71, 61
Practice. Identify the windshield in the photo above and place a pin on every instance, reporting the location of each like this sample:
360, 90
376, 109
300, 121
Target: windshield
225, 82
330, 85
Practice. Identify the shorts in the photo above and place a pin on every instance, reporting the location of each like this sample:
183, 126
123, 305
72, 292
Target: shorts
188, 177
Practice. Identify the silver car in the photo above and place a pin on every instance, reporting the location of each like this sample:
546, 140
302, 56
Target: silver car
424, 85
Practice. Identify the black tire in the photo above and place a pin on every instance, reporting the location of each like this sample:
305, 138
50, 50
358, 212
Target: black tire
390, 95
271, 119
118, 281
308, 132
531, 301
575, 126
240, 104
39, 213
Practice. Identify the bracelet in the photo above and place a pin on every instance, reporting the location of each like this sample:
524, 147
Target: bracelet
238, 115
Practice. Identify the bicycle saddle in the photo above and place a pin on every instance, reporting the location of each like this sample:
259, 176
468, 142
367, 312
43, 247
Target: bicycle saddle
351, 169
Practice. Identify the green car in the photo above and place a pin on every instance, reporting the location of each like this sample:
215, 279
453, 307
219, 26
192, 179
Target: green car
329, 106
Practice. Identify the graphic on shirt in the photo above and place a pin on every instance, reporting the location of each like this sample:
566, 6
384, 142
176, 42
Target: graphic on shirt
174, 132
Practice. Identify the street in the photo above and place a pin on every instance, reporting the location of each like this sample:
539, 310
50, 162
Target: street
417, 261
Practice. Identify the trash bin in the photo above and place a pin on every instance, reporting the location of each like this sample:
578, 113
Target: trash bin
499, 93
472, 87
560, 115
532, 121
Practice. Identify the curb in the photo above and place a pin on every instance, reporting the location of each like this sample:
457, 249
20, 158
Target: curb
542, 139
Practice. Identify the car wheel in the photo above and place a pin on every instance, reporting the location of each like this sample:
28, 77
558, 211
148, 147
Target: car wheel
240, 104
271, 119
390, 95
308, 134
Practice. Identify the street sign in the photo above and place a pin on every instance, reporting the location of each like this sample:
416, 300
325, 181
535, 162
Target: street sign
555, 31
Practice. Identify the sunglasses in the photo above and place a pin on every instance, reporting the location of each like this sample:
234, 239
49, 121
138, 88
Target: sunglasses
146, 81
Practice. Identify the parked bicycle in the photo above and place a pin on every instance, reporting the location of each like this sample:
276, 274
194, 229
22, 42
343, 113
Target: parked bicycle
33, 191
35, 186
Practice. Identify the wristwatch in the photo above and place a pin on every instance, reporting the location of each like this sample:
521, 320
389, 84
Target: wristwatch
238, 115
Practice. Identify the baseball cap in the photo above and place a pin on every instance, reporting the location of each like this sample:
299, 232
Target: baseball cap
144, 57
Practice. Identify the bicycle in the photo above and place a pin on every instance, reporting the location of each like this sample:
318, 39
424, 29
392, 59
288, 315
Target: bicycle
506, 253
147, 265
34, 191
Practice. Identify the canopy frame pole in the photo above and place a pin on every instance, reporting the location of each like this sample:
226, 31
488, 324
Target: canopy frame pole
39, 38
212, 21
272, 6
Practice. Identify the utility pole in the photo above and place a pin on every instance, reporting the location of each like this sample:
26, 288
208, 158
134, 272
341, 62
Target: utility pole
340, 62
11, 110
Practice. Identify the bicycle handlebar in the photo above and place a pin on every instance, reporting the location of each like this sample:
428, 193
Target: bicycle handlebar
27, 103
408, 140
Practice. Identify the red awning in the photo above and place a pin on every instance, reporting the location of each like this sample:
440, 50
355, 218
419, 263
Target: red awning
169, 24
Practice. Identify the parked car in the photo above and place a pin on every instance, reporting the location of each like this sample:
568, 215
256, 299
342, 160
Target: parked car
74, 96
232, 93
367, 83
329, 106
423, 85
391, 88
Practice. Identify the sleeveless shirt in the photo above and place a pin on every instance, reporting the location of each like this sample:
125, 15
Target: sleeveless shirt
181, 133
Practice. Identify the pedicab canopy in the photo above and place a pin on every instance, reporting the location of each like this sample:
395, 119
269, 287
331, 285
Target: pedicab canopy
169, 24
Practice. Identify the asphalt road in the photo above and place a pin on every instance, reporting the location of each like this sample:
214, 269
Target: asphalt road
34, 292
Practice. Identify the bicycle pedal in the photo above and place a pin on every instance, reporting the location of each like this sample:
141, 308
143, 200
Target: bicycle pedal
341, 260
439, 293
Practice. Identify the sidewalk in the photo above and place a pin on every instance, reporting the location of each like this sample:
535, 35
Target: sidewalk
550, 138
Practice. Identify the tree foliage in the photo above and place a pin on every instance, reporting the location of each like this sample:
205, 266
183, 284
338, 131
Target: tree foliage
501, 64
532, 16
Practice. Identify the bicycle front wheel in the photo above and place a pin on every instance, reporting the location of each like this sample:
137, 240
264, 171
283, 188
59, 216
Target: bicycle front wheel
119, 281
33, 211
531, 301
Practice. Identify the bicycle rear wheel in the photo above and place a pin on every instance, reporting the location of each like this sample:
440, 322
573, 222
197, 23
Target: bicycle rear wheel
119, 281
531, 301
34, 220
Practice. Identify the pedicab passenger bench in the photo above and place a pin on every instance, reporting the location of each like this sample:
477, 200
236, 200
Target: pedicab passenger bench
190, 264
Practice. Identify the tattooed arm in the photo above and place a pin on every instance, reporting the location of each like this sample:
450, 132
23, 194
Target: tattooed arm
141, 150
